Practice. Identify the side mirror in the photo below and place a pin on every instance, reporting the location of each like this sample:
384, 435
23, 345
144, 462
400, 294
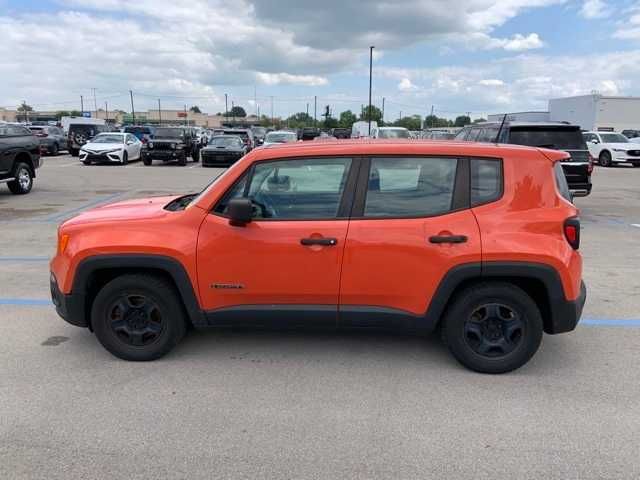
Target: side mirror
595, 142
240, 211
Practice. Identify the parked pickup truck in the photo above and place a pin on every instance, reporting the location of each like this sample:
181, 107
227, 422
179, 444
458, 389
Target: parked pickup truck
19, 157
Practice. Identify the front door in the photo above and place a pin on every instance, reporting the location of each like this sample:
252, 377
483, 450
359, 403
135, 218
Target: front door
284, 264
408, 230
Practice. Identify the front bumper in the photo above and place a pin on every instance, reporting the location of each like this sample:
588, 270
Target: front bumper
215, 159
164, 155
624, 158
566, 314
71, 308
100, 157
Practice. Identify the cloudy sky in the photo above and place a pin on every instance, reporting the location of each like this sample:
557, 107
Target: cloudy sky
479, 56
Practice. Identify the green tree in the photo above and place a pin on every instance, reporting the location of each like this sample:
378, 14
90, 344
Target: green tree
299, 120
433, 121
76, 113
461, 121
25, 108
62, 113
410, 123
479, 120
330, 122
347, 119
376, 114
195, 109
236, 112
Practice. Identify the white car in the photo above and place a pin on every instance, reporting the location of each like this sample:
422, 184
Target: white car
279, 136
113, 147
609, 148
391, 132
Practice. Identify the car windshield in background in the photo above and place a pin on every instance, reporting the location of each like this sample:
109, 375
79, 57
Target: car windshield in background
281, 137
260, 131
226, 141
613, 138
135, 130
394, 133
168, 133
548, 137
107, 139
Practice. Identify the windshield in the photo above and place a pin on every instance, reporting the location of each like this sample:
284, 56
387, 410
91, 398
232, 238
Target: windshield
393, 133
613, 138
226, 141
281, 137
548, 137
146, 130
105, 138
168, 133
260, 131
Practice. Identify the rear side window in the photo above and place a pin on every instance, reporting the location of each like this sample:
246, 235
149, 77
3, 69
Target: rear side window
410, 187
486, 181
561, 182
557, 138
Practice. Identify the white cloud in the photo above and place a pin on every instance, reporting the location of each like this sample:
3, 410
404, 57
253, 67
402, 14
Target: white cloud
517, 43
593, 9
287, 79
630, 29
491, 83
405, 85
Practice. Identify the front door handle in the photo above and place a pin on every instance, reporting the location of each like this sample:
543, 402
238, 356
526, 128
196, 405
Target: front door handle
325, 242
448, 239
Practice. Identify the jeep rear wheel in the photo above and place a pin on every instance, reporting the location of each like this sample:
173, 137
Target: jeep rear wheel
23, 182
138, 317
493, 327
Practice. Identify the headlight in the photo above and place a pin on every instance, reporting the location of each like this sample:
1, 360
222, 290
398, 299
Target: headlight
173, 145
150, 144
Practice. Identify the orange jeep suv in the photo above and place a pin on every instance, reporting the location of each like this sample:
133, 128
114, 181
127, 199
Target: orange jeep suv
479, 241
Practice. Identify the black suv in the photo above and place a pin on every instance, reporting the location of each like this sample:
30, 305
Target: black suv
172, 144
19, 158
81, 133
554, 135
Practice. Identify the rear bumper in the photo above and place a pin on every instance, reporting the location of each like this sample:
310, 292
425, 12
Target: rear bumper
566, 314
69, 307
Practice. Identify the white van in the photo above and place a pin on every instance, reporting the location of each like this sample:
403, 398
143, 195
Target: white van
390, 132
361, 129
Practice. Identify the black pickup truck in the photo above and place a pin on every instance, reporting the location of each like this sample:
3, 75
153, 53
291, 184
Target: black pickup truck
19, 157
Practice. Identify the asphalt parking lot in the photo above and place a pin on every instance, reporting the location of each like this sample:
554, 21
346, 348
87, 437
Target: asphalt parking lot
248, 404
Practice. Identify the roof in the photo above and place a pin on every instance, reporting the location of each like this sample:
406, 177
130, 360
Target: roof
525, 124
392, 147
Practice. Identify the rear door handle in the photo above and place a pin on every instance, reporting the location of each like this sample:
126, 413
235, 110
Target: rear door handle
326, 242
448, 239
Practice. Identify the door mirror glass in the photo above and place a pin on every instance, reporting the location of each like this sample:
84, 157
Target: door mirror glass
595, 141
240, 211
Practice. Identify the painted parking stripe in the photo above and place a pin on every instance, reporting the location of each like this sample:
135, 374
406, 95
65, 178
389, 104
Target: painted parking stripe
613, 322
26, 302
60, 216
24, 259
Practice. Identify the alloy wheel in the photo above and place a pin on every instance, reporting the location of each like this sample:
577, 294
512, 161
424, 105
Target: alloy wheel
135, 320
494, 330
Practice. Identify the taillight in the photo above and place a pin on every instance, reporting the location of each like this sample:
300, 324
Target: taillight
591, 162
572, 232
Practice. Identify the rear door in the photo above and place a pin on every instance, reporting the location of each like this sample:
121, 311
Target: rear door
410, 225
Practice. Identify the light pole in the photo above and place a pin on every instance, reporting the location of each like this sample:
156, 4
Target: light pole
370, 84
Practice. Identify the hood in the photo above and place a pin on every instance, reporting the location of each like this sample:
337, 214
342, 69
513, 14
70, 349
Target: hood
624, 146
101, 147
213, 148
139, 209
167, 140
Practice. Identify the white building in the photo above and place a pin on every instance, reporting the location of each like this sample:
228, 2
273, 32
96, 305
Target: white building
597, 112
520, 117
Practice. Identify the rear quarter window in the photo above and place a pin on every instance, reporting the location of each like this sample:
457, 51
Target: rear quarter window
486, 181
561, 182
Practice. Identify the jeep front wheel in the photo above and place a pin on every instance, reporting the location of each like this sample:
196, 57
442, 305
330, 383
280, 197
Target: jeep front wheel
493, 327
138, 317
23, 182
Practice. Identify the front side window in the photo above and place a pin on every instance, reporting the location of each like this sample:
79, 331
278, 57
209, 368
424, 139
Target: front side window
299, 189
410, 187
613, 138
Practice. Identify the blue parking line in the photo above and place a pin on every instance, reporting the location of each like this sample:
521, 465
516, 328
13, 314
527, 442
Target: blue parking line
610, 322
25, 302
24, 259
62, 215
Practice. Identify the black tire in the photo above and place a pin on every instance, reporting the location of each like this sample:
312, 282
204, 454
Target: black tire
23, 182
74, 152
146, 160
605, 159
196, 155
86, 162
490, 343
54, 150
125, 158
138, 317
182, 160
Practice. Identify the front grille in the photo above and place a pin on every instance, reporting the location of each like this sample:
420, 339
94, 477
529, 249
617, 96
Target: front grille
162, 146
93, 156
633, 153
219, 157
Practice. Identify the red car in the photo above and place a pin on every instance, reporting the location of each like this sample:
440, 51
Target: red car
479, 240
